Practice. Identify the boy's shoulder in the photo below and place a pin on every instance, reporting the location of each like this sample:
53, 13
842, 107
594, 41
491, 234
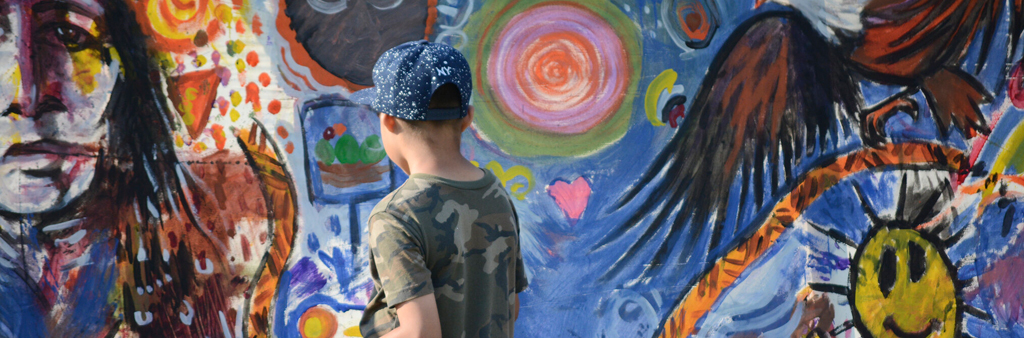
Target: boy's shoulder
425, 194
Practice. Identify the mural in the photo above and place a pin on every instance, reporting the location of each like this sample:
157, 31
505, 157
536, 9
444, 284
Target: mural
836, 168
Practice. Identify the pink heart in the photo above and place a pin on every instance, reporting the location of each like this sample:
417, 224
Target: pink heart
571, 198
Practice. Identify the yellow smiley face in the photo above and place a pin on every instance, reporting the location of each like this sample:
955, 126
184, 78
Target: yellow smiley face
903, 286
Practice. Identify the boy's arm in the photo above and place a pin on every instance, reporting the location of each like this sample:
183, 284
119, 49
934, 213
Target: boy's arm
417, 318
404, 277
515, 315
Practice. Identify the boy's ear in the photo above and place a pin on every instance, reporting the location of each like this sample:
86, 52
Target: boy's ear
467, 121
388, 122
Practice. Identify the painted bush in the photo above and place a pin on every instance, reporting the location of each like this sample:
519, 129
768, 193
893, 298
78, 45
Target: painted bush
680, 168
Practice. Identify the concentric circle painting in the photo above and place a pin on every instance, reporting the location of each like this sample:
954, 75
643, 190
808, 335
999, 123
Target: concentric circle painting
553, 78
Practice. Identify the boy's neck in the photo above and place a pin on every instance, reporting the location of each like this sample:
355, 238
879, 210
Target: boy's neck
444, 163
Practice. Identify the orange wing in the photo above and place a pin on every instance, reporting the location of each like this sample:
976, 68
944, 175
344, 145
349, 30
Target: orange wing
279, 192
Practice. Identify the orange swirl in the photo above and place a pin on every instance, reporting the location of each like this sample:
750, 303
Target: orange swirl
174, 24
559, 70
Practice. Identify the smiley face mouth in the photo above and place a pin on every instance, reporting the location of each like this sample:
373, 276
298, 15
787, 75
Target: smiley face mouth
890, 324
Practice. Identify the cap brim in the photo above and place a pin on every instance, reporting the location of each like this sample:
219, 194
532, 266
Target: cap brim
364, 97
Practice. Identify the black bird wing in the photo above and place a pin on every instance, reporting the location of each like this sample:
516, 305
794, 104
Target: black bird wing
776, 90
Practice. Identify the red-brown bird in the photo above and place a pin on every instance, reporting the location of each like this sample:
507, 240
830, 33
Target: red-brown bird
784, 87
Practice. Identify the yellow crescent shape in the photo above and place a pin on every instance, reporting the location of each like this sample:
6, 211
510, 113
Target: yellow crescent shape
663, 82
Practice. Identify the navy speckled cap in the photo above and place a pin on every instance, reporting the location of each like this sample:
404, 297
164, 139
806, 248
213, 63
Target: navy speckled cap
406, 76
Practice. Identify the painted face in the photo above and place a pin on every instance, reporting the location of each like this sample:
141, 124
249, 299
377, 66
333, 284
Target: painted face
903, 287
57, 71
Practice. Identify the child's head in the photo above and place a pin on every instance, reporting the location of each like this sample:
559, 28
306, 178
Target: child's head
443, 135
421, 92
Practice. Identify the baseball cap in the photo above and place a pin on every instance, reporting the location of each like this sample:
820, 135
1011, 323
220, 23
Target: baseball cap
406, 76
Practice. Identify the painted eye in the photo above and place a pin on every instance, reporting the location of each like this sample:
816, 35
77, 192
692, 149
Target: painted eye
72, 37
887, 271
918, 264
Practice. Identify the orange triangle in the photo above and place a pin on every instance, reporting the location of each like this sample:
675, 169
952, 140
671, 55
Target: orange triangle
192, 95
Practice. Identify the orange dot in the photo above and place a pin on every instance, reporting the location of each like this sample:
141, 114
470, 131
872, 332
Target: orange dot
240, 26
257, 26
218, 136
289, 147
252, 94
264, 79
318, 322
252, 58
282, 131
274, 107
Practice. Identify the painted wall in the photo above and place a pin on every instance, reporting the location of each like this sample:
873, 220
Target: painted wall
680, 167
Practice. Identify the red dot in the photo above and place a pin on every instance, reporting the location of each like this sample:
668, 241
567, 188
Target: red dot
289, 147
252, 94
265, 79
283, 132
252, 58
1016, 86
257, 26
274, 107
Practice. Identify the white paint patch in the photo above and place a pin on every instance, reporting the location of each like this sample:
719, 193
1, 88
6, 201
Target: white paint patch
74, 239
830, 17
143, 318
142, 256
224, 325
62, 225
209, 267
7, 249
186, 318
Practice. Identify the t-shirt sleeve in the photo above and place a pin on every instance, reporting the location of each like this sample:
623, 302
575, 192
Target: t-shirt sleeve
521, 281
398, 258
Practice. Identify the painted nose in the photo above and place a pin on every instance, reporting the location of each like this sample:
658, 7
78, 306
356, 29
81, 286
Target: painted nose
32, 108
38, 94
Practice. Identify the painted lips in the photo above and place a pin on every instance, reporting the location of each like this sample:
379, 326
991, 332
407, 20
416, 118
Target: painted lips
48, 159
50, 147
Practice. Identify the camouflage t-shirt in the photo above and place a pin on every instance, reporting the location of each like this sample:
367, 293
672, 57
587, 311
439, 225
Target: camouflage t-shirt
457, 240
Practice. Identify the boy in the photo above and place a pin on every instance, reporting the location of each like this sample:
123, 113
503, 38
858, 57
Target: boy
445, 245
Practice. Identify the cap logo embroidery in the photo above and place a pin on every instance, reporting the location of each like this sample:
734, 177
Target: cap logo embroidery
444, 70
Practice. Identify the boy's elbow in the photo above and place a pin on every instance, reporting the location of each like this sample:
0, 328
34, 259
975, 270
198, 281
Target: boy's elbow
420, 332
428, 332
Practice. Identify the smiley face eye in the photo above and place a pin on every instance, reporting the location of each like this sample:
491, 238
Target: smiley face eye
887, 271
918, 263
